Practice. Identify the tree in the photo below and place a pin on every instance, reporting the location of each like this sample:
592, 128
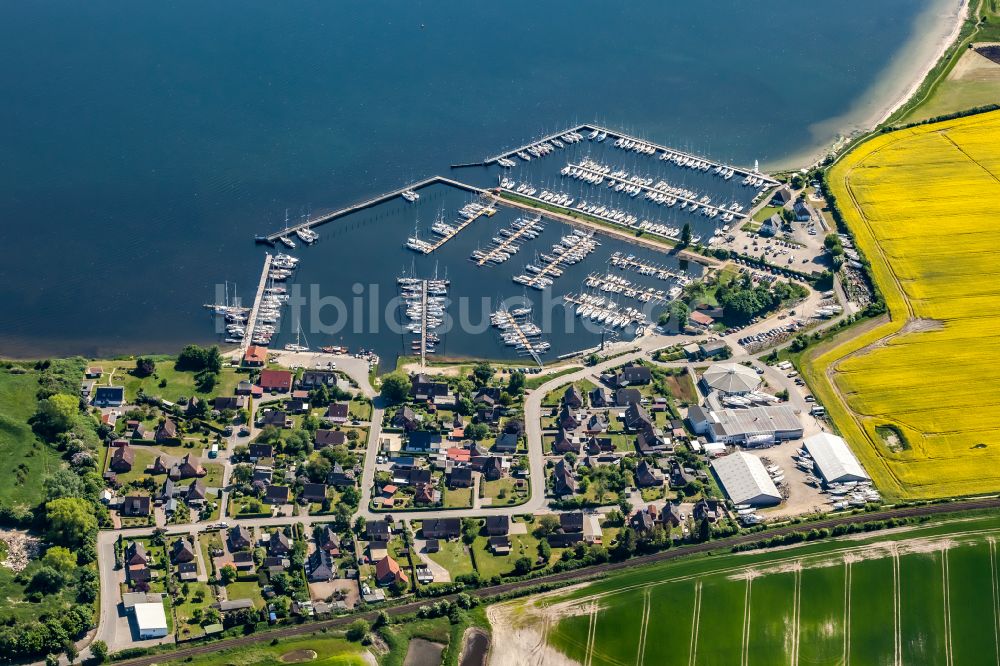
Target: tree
547, 524
144, 366
357, 630
515, 385
228, 574
70, 651
704, 530
100, 651
680, 311
522, 566
59, 558
686, 234
56, 414
195, 359
477, 431
70, 521
396, 387
46, 580
482, 372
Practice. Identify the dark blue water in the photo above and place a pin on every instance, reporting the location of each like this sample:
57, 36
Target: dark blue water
143, 144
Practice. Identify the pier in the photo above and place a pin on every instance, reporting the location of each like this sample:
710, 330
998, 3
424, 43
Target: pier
488, 210
252, 321
503, 318
423, 324
646, 268
612, 284
615, 134
495, 252
571, 254
382, 198
648, 188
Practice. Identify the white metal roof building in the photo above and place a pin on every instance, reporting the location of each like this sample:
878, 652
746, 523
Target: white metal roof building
731, 378
833, 458
754, 427
150, 620
745, 480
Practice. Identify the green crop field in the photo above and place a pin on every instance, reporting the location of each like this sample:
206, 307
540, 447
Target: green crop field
924, 594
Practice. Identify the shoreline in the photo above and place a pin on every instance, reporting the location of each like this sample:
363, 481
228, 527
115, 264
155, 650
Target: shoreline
879, 102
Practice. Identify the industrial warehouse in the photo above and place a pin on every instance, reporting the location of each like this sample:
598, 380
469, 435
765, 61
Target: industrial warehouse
833, 459
745, 480
751, 427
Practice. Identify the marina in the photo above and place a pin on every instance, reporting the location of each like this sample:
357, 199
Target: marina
595, 133
311, 223
423, 303
659, 271
522, 227
614, 284
468, 214
604, 311
255, 310
518, 331
571, 249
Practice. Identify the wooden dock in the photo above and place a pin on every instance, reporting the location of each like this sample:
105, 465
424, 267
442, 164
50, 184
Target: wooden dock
679, 197
528, 346
252, 321
614, 134
368, 203
488, 210
423, 324
531, 224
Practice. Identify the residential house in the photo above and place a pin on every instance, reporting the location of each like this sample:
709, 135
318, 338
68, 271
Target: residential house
312, 379
378, 530
405, 418
596, 423
771, 226
506, 442
598, 445
314, 492
276, 495
643, 521
273, 417
425, 388
637, 419
487, 395
489, 415
196, 493
122, 459
709, 509
243, 561
108, 396
460, 477
166, 431
255, 356
135, 553
563, 481
279, 544
570, 530
240, 538
633, 375
573, 397
670, 515
442, 528
159, 466
627, 396
781, 196
168, 491
234, 402
329, 541
425, 441
499, 545
93, 372
492, 468
338, 477
260, 451
497, 525
425, 493
410, 476
678, 475
388, 572
647, 475
699, 318
567, 420
141, 432
325, 438
337, 412
320, 566
136, 506
565, 444
802, 211
601, 397
181, 551
275, 380
297, 405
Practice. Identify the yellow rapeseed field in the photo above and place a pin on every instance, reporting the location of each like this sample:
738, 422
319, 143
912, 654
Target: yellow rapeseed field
924, 206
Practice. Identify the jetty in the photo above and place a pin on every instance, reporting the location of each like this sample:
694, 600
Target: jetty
318, 220
423, 323
494, 254
487, 210
613, 134
673, 192
521, 334
252, 321
646, 268
572, 249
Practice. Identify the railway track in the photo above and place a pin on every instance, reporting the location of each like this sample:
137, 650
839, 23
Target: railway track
576, 575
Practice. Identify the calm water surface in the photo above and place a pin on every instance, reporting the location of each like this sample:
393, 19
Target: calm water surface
143, 144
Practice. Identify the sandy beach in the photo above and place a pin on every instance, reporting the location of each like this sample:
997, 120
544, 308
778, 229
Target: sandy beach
936, 29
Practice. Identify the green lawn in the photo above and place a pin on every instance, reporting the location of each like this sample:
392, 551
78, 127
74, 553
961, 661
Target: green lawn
489, 565
330, 649
178, 383
453, 557
534, 381
213, 475
26, 459
460, 498
505, 486
360, 410
248, 590
184, 608
143, 459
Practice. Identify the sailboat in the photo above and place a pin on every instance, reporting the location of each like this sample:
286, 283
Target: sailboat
285, 238
297, 346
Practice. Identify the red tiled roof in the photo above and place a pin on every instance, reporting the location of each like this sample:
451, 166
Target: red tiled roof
255, 354
275, 379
